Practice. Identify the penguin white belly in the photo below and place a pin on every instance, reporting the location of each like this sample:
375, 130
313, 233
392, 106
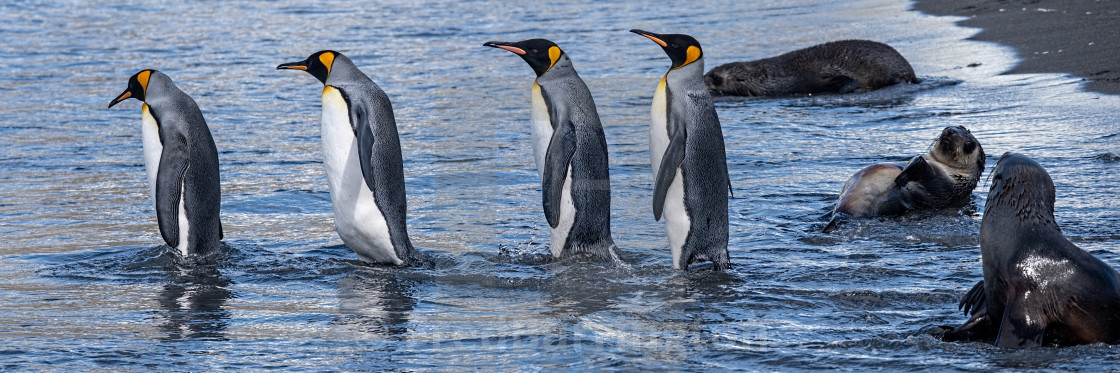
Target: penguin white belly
153, 148
357, 219
567, 217
658, 128
184, 224
541, 129
677, 223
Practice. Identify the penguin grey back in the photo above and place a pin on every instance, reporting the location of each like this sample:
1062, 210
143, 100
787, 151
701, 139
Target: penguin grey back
188, 167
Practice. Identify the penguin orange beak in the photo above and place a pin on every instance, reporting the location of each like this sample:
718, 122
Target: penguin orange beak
652, 36
506, 46
301, 65
124, 96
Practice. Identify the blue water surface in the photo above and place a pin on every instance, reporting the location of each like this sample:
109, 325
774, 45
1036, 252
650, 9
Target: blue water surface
84, 283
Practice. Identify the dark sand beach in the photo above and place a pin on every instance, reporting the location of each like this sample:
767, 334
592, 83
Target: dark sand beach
1080, 37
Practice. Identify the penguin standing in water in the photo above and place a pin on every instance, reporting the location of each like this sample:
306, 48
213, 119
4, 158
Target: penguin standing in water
182, 164
687, 156
362, 155
570, 152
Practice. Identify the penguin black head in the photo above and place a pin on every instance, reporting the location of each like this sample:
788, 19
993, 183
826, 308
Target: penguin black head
681, 48
318, 64
137, 87
541, 54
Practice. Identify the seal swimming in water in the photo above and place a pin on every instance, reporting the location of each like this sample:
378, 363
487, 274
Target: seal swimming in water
839, 66
1038, 288
943, 177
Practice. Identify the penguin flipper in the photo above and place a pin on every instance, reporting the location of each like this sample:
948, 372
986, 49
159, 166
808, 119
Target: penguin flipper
169, 184
363, 133
670, 162
556, 162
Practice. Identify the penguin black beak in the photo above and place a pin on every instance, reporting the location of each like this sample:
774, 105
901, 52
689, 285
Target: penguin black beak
505, 45
301, 65
123, 96
652, 36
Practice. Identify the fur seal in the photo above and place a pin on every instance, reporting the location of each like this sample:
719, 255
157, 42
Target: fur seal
839, 66
943, 177
1038, 288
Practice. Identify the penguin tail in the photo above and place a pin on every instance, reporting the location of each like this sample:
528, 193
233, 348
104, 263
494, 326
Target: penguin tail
718, 256
603, 250
414, 258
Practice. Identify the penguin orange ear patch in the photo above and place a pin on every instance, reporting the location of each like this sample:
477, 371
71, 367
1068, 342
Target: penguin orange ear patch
553, 55
143, 77
691, 54
327, 59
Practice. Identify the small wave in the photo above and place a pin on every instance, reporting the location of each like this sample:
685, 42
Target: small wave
1108, 157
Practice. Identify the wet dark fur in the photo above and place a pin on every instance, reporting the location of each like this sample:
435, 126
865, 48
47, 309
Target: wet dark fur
840, 67
1038, 288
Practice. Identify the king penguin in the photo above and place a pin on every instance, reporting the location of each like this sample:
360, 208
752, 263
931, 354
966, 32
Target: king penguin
570, 152
687, 155
182, 164
362, 156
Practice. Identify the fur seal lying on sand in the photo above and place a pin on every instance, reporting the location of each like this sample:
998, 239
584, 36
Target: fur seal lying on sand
943, 177
840, 66
1038, 288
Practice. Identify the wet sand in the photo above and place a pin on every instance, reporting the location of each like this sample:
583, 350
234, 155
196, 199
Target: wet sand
1080, 37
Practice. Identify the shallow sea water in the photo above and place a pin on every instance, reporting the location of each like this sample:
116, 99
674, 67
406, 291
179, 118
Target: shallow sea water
84, 284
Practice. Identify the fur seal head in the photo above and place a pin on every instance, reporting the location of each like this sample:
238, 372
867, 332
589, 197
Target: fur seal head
1022, 187
958, 149
957, 160
737, 78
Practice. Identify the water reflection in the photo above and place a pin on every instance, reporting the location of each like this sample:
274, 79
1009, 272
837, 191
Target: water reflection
193, 306
374, 303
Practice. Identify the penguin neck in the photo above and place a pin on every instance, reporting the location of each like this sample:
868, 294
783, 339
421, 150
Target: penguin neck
153, 147
540, 128
343, 71
562, 70
688, 77
337, 135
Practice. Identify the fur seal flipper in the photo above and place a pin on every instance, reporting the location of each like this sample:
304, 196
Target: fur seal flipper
841, 66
